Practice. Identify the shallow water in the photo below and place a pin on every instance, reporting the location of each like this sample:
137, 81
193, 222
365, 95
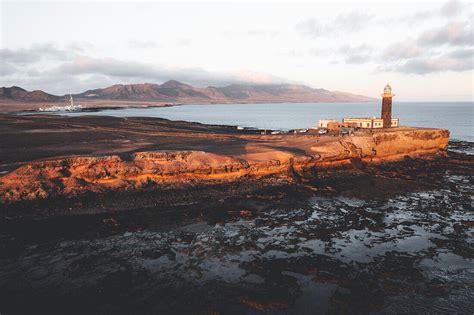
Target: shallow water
409, 252
457, 117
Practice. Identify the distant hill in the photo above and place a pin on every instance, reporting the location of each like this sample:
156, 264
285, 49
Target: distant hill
169, 91
16, 93
177, 92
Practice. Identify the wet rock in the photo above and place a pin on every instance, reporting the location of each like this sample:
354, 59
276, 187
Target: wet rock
397, 251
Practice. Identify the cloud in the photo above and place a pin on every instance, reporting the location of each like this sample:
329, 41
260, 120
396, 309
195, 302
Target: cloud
424, 66
262, 33
184, 42
452, 8
77, 73
357, 59
21, 61
144, 72
356, 54
7, 69
79, 47
293, 53
463, 53
453, 33
352, 21
346, 22
310, 28
436, 50
246, 76
142, 44
457, 60
401, 50
33, 54
256, 32
415, 17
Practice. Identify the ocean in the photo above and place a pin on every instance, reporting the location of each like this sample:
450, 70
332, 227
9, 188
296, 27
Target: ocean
457, 117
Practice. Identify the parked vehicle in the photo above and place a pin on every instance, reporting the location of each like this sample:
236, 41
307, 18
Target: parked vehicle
322, 131
346, 131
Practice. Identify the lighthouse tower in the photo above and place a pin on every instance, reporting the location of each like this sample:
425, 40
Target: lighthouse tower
387, 106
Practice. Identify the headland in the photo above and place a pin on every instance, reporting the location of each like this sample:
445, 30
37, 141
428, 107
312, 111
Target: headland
53, 157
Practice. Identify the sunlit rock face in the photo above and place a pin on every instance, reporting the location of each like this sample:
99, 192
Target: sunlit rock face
359, 247
284, 157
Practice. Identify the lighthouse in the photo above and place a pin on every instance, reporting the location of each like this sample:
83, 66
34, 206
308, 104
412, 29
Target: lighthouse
387, 106
386, 121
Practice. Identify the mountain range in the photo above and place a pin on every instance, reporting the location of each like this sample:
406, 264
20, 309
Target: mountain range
177, 92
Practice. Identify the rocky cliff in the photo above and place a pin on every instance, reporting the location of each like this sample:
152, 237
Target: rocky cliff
73, 176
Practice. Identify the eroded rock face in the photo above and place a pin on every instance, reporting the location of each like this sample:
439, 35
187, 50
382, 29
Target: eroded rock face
391, 243
180, 169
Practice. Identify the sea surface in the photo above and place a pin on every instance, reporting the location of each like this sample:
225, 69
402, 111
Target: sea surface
457, 117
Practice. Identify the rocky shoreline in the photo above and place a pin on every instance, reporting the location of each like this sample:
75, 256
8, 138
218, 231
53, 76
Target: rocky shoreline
388, 238
383, 232
228, 162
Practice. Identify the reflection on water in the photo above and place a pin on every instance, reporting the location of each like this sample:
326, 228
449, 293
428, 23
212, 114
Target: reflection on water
408, 253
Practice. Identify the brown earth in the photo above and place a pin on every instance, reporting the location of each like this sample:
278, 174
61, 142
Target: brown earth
51, 156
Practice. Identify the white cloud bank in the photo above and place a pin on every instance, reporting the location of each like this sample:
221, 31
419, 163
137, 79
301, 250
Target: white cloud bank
341, 47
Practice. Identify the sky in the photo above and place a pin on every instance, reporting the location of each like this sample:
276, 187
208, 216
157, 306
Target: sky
424, 49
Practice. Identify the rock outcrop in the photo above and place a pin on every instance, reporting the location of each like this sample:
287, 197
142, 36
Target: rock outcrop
77, 175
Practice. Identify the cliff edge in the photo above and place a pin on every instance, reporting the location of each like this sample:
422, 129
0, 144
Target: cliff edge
237, 158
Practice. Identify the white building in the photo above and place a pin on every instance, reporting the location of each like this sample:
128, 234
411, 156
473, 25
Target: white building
370, 122
323, 123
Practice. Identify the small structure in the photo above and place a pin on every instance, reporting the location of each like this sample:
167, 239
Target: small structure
323, 123
370, 122
337, 125
349, 131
